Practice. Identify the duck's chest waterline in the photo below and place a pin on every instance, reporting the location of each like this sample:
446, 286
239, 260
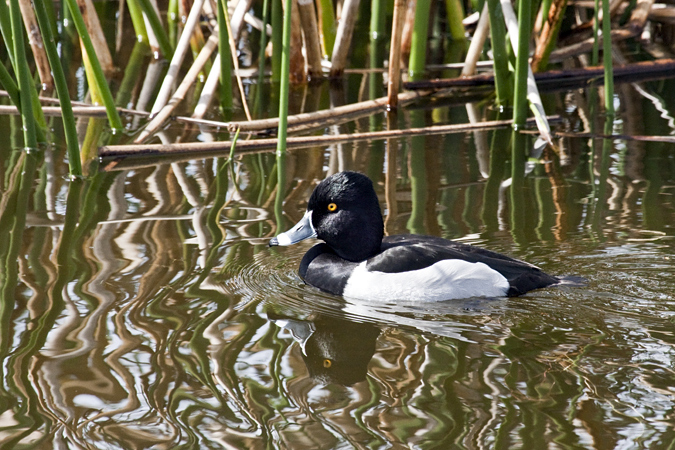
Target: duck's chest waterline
444, 280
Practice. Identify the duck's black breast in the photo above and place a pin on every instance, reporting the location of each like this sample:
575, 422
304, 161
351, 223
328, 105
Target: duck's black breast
322, 268
403, 253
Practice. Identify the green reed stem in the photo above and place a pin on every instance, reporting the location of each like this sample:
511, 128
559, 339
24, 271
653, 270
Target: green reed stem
225, 59
285, 80
607, 58
277, 39
328, 25
156, 25
6, 30
261, 57
172, 20
455, 14
522, 63
132, 73
499, 40
23, 76
418, 49
99, 77
137, 21
234, 145
8, 83
69, 125
595, 54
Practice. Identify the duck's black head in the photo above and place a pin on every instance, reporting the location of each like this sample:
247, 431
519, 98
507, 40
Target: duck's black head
344, 212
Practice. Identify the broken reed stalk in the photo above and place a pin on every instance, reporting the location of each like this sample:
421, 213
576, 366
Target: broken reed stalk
324, 116
297, 69
164, 114
36, 44
95, 33
312, 40
343, 38
177, 59
394, 83
118, 151
549, 35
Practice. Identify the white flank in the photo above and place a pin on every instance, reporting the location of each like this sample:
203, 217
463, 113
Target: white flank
445, 280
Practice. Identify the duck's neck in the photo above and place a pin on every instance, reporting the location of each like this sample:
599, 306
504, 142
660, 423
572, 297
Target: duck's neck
361, 243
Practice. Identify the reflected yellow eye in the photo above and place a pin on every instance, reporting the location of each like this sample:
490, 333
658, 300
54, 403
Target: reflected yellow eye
327, 362
332, 207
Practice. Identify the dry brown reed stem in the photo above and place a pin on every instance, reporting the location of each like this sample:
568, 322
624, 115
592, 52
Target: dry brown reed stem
659, 12
96, 35
343, 37
394, 81
235, 60
325, 116
297, 68
559, 78
408, 27
548, 33
79, 111
36, 44
240, 10
638, 17
164, 114
178, 57
117, 151
310, 30
633, 28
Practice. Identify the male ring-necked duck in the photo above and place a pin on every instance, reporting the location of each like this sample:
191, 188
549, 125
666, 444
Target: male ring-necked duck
356, 260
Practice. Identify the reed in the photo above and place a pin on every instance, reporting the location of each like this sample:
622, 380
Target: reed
607, 59
99, 77
155, 24
225, 60
522, 63
327, 26
61, 85
418, 49
277, 39
285, 82
503, 82
455, 14
25, 82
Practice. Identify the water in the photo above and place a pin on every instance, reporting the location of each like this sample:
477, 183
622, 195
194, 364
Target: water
142, 308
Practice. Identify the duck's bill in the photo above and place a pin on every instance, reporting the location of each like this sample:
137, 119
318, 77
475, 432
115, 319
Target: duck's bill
301, 231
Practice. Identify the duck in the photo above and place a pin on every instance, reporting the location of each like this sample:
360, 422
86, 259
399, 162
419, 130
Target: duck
357, 261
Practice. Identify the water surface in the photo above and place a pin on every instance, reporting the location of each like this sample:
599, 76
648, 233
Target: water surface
142, 308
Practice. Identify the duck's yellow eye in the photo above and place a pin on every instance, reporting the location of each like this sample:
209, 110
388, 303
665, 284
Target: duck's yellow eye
327, 362
332, 207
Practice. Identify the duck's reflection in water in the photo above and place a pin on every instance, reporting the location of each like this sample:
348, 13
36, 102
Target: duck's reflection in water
335, 350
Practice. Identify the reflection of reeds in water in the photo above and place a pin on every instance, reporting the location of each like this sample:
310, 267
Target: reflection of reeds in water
134, 314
